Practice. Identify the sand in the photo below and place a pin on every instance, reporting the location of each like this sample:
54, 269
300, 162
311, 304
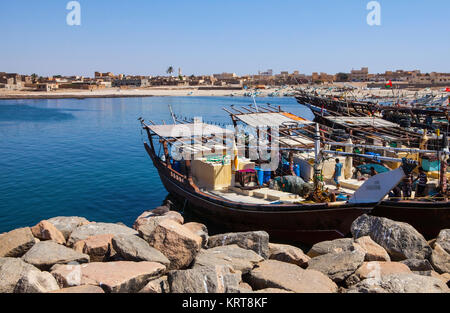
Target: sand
360, 93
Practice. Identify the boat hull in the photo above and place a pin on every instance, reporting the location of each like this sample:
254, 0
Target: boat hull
428, 218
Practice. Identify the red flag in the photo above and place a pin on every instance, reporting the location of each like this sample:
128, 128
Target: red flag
448, 89
389, 85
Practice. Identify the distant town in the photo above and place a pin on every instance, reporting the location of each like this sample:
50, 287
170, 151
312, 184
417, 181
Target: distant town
230, 81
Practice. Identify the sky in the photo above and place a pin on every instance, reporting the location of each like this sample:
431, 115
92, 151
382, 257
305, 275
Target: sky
145, 37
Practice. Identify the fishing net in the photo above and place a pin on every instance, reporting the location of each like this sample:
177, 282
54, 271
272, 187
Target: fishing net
292, 184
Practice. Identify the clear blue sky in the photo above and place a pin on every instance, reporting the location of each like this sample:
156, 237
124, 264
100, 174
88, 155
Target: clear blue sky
211, 36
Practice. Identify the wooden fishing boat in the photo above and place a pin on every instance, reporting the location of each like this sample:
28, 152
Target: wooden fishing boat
422, 117
284, 216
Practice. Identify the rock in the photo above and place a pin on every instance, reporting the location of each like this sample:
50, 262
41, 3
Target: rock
36, 282
440, 259
257, 241
376, 269
337, 266
67, 224
134, 248
200, 230
80, 289
288, 254
332, 246
94, 229
400, 240
417, 265
160, 285
290, 277
443, 240
433, 274
176, 242
237, 258
243, 285
16, 242
115, 277
400, 283
272, 290
216, 279
149, 217
446, 278
45, 254
11, 271
45, 230
97, 247
374, 252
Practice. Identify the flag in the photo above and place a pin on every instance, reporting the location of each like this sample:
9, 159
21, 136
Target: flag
389, 85
448, 89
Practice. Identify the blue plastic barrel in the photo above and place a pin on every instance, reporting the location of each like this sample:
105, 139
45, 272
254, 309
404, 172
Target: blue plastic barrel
267, 176
297, 170
260, 174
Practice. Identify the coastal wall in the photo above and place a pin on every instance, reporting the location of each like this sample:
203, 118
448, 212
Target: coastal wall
162, 254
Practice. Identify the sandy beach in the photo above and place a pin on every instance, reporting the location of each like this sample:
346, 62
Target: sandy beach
117, 93
360, 92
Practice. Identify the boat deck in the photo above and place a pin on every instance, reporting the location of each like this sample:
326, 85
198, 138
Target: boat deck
256, 196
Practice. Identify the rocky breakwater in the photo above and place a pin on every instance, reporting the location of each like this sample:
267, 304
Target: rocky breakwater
162, 254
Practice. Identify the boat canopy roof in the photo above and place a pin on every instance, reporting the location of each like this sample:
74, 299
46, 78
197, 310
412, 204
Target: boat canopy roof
188, 130
271, 119
362, 121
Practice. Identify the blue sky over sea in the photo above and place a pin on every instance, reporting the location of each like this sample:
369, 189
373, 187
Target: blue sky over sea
209, 36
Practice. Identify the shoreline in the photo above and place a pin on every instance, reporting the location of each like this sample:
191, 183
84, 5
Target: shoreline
194, 92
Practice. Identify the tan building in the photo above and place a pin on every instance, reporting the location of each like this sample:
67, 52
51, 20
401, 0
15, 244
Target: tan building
361, 75
225, 76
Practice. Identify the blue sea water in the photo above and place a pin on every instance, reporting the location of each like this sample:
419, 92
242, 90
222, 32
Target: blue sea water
73, 157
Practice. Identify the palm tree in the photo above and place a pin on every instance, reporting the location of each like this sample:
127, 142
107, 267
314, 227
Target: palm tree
170, 70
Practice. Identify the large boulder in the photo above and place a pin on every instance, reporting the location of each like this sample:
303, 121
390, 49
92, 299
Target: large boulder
45, 230
134, 248
80, 289
36, 282
376, 269
399, 239
417, 265
290, 277
148, 217
443, 240
337, 266
272, 290
214, 279
11, 271
114, 277
434, 274
16, 242
374, 252
159, 285
257, 241
176, 242
97, 247
400, 283
95, 229
239, 259
331, 246
288, 254
67, 224
200, 230
45, 254
440, 259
